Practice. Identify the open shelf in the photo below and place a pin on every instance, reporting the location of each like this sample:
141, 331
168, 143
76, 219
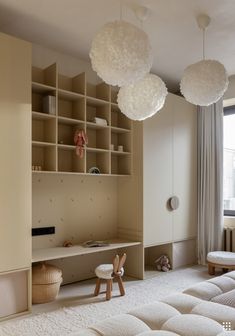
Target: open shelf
73, 109
66, 131
46, 77
99, 159
121, 139
98, 138
120, 163
53, 253
68, 161
74, 84
100, 91
77, 105
43, 129
44, 156
118, 119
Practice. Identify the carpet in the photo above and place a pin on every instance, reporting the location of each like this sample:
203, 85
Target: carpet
68, 320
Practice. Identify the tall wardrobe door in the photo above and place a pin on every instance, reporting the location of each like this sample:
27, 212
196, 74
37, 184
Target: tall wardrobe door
185, 169
157, 172
15, 148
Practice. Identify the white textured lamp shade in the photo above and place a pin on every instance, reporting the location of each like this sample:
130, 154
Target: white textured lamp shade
143, 99
121, 53
204, 82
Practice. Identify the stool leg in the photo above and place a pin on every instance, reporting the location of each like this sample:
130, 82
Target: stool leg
97, 287
109, 289
211, 269
121, 287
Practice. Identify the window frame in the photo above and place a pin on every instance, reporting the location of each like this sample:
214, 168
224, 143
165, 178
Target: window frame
229, 110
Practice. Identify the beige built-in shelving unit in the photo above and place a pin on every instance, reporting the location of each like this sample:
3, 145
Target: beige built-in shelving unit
77, 104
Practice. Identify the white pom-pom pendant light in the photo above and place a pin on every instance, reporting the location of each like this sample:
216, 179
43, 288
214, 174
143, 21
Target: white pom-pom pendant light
142, 99
121, 53
205, 82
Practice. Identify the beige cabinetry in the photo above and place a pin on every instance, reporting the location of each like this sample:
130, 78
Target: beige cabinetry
169, 169
15, 174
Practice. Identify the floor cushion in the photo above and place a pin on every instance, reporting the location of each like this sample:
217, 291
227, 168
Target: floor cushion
155, 314
120, 325
192, 325
204, 290
227, 299
216, 312
225, 283
158, 333
184, 303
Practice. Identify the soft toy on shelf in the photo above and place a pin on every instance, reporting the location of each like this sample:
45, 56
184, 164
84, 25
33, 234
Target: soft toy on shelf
80, 140
163, 263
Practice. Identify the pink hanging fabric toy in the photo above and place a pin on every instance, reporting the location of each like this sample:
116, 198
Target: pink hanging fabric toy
80, 139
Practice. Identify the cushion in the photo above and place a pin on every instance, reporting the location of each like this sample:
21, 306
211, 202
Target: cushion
227, 299
158, 332
85, 332
227, 333
204, 290
184, 303
121, 325
230, 275
222, 258
216, 312
224, 283
105, 271
192, 325
154, 314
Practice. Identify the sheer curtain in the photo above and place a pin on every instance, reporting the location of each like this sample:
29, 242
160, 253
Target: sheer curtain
210, 179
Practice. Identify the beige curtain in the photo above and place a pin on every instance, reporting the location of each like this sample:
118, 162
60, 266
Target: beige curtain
210, 179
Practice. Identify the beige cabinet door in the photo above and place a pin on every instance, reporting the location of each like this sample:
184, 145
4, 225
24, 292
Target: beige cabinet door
157, 175
15, 149
185, 169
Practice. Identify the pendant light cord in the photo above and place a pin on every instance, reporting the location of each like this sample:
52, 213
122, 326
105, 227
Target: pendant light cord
203, 42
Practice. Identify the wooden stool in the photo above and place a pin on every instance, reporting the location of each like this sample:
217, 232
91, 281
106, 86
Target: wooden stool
220, 259
109, 272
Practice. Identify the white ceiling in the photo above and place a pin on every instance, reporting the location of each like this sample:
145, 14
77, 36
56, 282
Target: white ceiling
69, 25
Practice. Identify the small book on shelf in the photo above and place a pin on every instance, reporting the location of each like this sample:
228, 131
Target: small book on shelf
49, 104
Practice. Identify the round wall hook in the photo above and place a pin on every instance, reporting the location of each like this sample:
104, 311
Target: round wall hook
203, 21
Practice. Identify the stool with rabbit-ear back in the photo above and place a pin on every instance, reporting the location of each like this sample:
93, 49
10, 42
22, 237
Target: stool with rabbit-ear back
109, 272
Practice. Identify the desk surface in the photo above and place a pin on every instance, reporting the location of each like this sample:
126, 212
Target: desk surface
52, 253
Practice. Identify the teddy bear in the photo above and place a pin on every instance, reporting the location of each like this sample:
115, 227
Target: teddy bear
163, 263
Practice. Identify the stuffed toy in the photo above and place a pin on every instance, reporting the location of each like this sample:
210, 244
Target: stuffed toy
163, 263
80, 140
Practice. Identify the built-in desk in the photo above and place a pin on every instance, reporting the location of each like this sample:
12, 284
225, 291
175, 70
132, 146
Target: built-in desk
53, 253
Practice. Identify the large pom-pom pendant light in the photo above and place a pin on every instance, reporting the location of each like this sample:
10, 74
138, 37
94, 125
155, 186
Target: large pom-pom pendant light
121, 53
143, 99
204, 82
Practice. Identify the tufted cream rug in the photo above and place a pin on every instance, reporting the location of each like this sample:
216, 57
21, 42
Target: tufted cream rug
85, 312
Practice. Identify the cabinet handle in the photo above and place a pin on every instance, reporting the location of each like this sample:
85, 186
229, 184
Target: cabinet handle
173, 202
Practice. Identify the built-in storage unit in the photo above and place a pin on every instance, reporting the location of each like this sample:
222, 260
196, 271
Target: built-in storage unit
170, 169
61, 106
15, 176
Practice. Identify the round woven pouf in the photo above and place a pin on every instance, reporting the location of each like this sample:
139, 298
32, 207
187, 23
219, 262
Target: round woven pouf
46, 280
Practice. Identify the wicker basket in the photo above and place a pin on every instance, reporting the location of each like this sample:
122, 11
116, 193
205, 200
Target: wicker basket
46, 280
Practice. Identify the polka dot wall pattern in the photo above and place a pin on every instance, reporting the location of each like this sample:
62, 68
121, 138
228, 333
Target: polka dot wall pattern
80, 208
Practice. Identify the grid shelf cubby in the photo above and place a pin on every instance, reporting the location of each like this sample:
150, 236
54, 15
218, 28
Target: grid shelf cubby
78, 106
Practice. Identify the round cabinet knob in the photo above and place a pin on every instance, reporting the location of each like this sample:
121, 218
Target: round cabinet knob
174, 202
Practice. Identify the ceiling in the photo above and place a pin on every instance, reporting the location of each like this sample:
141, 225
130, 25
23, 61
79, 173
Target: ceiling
69, 26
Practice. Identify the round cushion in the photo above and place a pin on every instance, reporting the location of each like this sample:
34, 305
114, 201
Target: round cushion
221, 258
105, 271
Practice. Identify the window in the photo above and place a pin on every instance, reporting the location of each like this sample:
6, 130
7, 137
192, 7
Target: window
229, 161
